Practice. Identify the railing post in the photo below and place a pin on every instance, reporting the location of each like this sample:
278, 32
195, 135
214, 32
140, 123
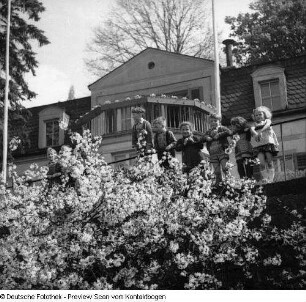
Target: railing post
283, 150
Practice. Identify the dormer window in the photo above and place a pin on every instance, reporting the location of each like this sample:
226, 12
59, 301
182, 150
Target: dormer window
269, 83
50, 133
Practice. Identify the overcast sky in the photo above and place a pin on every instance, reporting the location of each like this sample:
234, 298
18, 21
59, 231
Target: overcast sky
69, 24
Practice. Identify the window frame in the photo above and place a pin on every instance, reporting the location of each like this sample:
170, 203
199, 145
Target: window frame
48, 114
54, 142
270, 73
110, 120
264, 99
126, 118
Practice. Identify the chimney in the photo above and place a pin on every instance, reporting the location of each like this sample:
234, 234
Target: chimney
228, 51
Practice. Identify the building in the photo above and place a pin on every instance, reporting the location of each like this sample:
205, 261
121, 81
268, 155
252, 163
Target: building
42, 130
281, 86
176, 86
180, 88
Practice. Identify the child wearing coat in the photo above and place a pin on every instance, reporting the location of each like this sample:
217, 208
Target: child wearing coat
164, 141
142, 135
216, 143
190, 146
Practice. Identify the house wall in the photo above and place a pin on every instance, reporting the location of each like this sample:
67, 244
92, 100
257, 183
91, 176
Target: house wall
164, 85
171, 72
24, 164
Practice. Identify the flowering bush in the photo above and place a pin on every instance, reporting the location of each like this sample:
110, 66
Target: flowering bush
141, 228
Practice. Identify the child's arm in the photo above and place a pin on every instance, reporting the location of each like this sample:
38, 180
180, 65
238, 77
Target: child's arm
253, 131
172, 141
170, 146
266, 126
207, 137
225, 132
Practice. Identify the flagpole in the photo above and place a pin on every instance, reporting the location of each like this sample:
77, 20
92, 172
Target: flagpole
216, 65
5, 118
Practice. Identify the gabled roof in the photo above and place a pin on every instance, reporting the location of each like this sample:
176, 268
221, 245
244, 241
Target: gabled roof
153, 54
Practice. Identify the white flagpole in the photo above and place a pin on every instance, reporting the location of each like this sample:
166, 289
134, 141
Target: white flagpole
216, 65
5, 119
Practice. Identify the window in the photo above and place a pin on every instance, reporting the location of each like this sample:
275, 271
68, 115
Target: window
151, 65
294, 162
185, 113
156, 110
173, 120
126, 118
180, 94
269, 84
110, 121
270, 94
301, 161
195, 94
200, 121
52, 133
49, 132
191, 93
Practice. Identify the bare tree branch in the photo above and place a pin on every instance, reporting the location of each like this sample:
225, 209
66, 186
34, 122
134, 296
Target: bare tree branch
174, 25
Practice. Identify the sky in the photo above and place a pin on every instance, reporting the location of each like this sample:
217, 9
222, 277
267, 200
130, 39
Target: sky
69, 24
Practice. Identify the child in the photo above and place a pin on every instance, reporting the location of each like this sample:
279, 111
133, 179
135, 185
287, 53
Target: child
164, 140
142, 135
190, 146
216, 138
264, 142
55, 170
243, 149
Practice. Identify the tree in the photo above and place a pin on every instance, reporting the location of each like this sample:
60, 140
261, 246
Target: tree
276, 30
146, 227
179, 26
22, 58
71, 94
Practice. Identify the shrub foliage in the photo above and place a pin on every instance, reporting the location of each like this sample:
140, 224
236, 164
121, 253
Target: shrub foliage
141, 228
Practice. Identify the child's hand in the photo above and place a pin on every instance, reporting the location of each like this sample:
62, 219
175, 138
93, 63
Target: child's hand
188, 139
208, 138
168, 148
